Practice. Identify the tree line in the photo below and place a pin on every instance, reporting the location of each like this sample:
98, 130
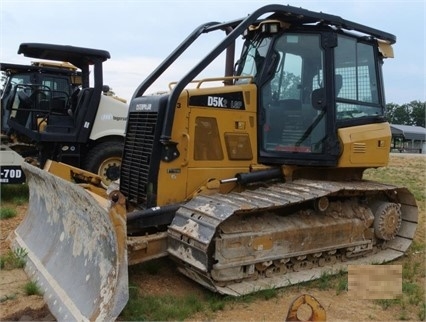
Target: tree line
413, 113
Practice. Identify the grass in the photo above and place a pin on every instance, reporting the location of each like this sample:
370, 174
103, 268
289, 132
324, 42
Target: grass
31, 288
7, 212
387, 303
413, 292
160, 307
342, 284
410, 270
266, 294
418, 246
216, 302
13, 259
401, 171
7, 297
171, 307
422, 312
410, 173
328, 281
14, 193
324, 282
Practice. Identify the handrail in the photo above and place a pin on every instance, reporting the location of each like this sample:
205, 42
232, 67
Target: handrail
213, 79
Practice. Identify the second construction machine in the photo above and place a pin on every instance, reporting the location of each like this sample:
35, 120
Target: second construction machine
253, 184
61, 110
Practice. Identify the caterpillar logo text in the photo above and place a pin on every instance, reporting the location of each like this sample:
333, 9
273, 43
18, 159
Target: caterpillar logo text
143, 107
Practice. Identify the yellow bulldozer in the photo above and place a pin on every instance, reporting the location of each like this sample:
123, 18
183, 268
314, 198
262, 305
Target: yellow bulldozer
251, 184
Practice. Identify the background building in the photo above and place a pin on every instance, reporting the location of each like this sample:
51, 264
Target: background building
408, 139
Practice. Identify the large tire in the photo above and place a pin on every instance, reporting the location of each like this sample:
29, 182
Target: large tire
104, 159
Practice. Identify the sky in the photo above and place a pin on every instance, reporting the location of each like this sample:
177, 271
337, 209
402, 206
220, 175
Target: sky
140, 34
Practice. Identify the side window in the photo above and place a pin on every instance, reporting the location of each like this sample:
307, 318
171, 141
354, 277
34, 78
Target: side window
12, 83
21, 79
57, 91
207, 144
355, 79
59, 87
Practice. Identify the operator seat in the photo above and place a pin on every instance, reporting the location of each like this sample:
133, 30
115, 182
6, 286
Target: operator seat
23, 111
73, 101
338, 84
69, 123
285, 122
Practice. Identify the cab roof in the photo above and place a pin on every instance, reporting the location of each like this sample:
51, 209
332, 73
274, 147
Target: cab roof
18, 68
78, 56
299, 16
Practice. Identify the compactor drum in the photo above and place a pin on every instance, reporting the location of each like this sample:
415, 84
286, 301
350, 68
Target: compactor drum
251, 184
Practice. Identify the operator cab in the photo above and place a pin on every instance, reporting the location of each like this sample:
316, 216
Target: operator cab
69, 113
310, 83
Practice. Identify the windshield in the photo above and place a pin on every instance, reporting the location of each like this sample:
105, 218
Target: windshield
15, 80
253, 57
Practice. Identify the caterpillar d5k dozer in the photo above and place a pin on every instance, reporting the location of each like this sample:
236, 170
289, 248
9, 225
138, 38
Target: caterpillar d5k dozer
251, 184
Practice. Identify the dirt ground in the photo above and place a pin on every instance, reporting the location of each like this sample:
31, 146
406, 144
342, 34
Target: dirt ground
16, 306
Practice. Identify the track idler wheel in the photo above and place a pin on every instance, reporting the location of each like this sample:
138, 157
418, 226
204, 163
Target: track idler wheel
387, 220
317, 310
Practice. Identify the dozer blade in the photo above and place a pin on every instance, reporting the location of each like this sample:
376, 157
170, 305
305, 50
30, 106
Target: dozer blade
76, 249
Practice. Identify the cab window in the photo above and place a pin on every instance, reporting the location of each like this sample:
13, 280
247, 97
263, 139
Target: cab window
357, 90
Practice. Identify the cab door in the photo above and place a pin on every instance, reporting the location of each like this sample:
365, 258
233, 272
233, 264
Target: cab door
296, 123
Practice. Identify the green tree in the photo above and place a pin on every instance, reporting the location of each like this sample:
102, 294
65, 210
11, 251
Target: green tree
413, 113
418, 113
398, 114
389, 112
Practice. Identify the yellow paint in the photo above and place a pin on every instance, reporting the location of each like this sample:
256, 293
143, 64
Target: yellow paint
365, 145
200, 160
262, 243
318, 311
385, 49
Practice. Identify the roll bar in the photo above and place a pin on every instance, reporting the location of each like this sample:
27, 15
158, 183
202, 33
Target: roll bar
235, 28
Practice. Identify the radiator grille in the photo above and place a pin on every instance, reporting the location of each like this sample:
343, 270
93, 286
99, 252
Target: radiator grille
138, 149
